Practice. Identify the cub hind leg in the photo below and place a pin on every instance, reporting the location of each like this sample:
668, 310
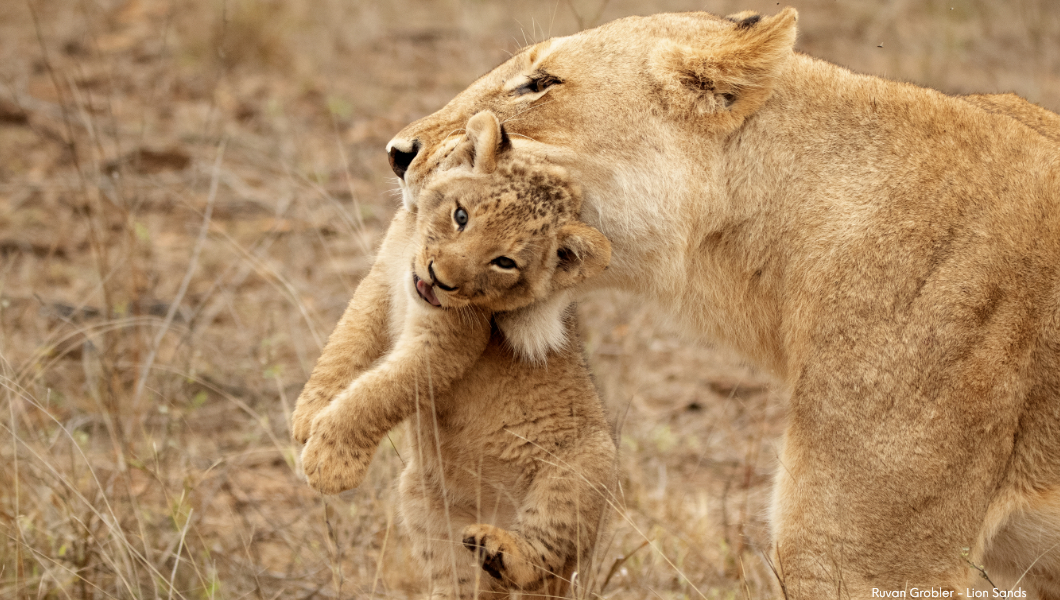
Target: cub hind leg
556, 529
434, 534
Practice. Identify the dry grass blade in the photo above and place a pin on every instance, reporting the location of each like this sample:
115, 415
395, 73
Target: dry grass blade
193, 263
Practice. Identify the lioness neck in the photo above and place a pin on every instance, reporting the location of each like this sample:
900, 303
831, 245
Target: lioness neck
843, 173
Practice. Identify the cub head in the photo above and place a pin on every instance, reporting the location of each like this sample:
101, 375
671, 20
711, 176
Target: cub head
499, 230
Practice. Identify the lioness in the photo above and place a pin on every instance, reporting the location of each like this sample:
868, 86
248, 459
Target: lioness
512, 457
889, 252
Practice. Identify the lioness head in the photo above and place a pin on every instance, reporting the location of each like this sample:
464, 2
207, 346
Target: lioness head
606, 96
500, 231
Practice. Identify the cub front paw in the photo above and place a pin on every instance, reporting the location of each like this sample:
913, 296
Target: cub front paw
497, 551
331, 463
302, 418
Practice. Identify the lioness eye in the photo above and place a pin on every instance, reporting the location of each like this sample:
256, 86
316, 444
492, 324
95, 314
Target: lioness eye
538, 83
503, 262
460, 216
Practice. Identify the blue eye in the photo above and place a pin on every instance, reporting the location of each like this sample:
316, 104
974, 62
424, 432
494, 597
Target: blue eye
503, 262
460, 216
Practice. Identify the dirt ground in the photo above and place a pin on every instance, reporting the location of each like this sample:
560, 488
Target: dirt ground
189, 194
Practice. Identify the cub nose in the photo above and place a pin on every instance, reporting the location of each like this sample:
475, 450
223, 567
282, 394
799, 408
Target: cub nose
437, 282
401, 154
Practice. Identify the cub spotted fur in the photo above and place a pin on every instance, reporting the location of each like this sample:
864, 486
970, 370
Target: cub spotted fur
510, 458
891, 253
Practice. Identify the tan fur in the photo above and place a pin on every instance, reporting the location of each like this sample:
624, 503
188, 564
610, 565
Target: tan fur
511, 459
889, 252
1037, 118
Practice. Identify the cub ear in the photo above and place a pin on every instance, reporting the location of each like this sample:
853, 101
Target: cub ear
488, 139
583, 252
731, 73
484, 139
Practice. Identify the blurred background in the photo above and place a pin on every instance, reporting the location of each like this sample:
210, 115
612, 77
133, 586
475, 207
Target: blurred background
189, 193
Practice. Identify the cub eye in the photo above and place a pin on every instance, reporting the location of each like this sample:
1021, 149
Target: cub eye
503, 262
460, 216
539, 82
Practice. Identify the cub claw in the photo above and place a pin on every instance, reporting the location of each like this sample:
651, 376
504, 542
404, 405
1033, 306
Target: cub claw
507, 557
491, 562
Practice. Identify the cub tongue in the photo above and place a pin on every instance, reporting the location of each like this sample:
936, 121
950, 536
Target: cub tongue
427, 292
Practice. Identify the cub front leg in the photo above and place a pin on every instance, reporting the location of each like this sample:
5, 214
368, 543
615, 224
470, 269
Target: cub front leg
436, 347
556, 529
359, 339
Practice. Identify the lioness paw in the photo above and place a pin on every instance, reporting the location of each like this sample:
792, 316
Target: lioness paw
330, 462
497, 551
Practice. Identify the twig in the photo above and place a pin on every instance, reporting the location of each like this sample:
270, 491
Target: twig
71, 145
982, 572
618, 564
337, 574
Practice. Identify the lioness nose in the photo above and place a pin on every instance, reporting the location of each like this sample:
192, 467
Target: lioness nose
401, 153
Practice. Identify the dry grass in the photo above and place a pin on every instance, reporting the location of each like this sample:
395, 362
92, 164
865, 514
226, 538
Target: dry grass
189, 193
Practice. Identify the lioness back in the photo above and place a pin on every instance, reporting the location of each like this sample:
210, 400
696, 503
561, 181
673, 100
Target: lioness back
1044, 122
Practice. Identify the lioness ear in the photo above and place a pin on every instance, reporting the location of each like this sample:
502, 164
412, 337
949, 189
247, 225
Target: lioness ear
732, 73
583, 253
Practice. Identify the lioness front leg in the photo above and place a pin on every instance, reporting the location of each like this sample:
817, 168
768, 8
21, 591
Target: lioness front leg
360, 338
436, 347
556, 529
865, 500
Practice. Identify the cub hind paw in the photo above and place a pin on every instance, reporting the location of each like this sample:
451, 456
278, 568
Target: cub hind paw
482, 541
497, 551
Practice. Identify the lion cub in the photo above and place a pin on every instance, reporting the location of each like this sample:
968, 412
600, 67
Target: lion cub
510, 458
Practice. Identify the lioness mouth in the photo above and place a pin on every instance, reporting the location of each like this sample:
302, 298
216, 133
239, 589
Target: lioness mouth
425, 290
